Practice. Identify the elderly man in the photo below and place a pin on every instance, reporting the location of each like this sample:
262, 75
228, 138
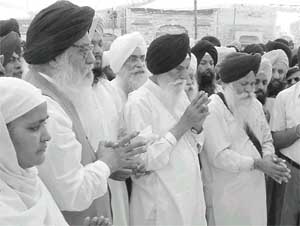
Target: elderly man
285, 126
77, 168
171, 193
127, 60
238, 146
10, 48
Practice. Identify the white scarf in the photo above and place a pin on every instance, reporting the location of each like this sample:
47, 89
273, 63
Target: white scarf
24, 199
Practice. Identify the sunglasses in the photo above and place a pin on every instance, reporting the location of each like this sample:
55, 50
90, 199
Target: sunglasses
296, 79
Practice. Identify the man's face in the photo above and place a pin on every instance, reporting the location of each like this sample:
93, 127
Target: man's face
279, 70
14, 67
205, 63
293, 79
261, 85
244, 88
133, 70
30, 136
97, 42
82, 59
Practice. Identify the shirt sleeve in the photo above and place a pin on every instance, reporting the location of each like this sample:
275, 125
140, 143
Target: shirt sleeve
159, 148
278, 116
218, 147
72, 185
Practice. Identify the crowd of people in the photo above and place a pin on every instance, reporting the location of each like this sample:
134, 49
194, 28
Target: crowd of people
174, 132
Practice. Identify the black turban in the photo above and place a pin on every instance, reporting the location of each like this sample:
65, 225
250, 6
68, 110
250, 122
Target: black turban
253, 48
212, 39
167, 52
55, 29
8, 45
203, 47
279, 45
7, 26
237, 65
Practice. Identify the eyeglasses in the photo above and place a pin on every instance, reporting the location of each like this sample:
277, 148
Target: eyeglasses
296, 79
84, 49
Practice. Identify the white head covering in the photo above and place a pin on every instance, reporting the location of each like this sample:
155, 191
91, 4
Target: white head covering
24, 200
266, 68
277, 55
97, 26
223, 52
193, 63
122, 47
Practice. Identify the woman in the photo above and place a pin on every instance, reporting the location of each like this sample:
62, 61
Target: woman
24, 199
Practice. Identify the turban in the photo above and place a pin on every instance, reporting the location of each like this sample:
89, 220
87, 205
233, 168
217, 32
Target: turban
212, 39
237, 65
279, 45
266, 68
7, 26
55, 29
167, 52
193, 63
96, 27
223, 52
8, 45
253, 48
276, 56
122, 47
203, 47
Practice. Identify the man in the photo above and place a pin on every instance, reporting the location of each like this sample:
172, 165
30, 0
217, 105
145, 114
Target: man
10, 48
207, 58
171, 193
77, 167
127, 60
263, 78
238, 146
286, 133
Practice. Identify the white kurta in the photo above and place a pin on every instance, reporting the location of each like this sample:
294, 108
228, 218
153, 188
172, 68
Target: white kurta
73, 186
173, 193
111, 121
238, 192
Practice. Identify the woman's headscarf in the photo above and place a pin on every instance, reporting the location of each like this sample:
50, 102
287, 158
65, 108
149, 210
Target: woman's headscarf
24, 200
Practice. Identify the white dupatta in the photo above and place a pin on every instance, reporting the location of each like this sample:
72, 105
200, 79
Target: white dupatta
24, 199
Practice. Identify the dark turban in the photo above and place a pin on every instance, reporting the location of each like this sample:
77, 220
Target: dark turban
55, 29
7, 26
213, 40
279, 45
203, 47
237, 65
253, 48
167, 52
8, 45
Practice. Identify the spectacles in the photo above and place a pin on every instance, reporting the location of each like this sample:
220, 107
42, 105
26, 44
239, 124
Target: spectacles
296, 79
84, 49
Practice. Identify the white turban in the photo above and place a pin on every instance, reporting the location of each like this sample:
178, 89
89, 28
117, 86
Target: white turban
97, 26
122, 47
223, 52
266, 68
27, 201
276, 56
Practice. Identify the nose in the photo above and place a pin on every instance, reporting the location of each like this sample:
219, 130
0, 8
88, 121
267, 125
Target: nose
275, 74
97, 50
260, 86
45, 135
90, 58
249, 88
140, 63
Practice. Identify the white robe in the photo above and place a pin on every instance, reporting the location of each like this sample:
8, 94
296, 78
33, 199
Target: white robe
173, 193
111, 122
238, 192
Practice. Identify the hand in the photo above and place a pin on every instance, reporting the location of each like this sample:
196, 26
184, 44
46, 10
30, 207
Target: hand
120, 154
140, 171
274, 168
96, 221
121, 175
197, 111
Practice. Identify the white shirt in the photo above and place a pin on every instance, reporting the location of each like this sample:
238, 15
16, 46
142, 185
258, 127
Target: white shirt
173, 193
73, 186
286, 114
238, 192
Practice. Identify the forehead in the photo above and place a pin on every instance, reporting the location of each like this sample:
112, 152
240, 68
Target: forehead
138, 52
97, 37
280, 65
36, 114
207, 57
261, 76
296, 74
